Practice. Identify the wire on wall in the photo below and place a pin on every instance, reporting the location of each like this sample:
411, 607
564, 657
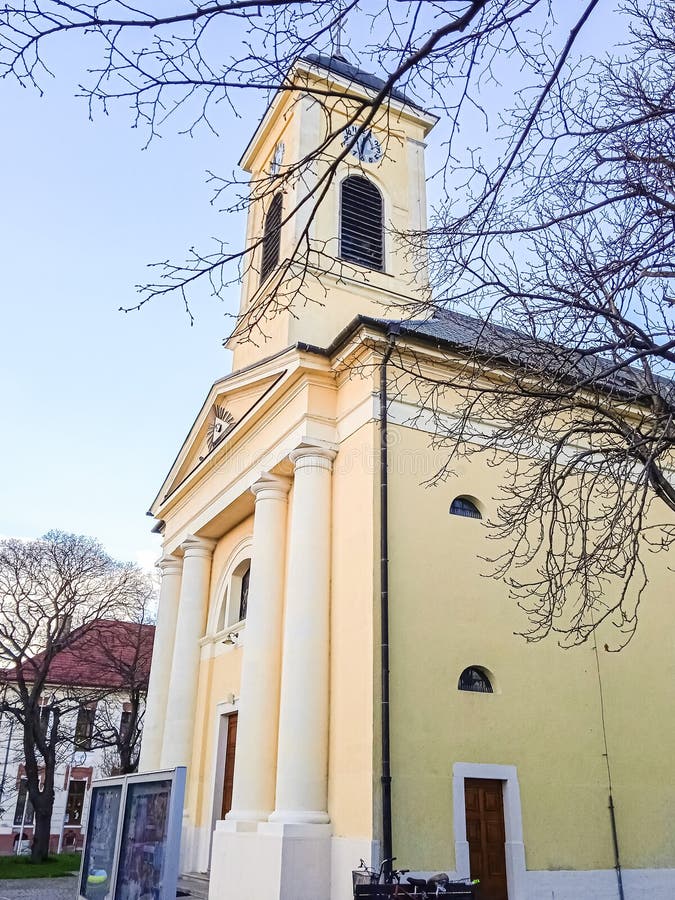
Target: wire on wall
612, 816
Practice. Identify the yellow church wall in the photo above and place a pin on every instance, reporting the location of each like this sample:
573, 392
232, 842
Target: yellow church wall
347, 290
220, 677
545, 716
254, 343
351, 688
639, 691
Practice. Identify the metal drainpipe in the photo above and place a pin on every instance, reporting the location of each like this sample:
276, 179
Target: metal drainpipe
612, 816
615, 842
385, 777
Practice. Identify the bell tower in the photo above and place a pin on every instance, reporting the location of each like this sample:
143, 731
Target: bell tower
322, 230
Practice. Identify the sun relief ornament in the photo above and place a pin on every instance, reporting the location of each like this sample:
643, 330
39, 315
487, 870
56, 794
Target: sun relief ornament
221, 422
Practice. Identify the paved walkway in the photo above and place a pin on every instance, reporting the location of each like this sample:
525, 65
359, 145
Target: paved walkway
39, 888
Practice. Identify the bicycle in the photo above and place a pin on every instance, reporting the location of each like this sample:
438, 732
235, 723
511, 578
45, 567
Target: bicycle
383, 882
440, 886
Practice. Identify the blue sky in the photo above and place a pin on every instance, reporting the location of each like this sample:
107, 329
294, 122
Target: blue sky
95, 402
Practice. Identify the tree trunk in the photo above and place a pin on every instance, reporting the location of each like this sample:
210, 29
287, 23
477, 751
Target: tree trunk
43, 823
40, 777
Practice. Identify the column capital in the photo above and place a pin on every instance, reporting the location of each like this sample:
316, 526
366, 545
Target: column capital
269, 487
197, 546
169, 564
315, 456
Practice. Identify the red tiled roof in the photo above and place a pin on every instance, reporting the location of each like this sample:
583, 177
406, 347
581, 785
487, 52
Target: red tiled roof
99, 654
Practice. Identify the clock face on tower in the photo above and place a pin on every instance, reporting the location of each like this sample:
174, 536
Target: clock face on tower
366, 148
277, 159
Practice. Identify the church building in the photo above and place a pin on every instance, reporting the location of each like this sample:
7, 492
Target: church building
324, 621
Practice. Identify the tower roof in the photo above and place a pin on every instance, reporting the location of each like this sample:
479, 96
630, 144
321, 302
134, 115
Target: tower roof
337, 69
338, 65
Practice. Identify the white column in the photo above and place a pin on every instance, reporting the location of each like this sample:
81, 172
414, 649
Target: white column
302, 762
182, 699
257, 727
162, 653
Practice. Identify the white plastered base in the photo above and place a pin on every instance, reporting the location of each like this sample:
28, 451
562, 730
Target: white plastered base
270, 861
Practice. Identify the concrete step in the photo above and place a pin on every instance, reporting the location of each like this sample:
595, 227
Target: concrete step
194, 885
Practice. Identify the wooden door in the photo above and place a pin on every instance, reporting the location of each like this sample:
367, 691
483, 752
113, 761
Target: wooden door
485, 834
228, 778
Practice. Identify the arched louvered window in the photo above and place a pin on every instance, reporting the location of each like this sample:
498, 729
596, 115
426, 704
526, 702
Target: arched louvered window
462, 506
475, 679
361, 223
271, 241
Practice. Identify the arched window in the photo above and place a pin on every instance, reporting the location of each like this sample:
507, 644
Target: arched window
474, 679
361, 223
235, 589
243, 594
462, 506
271, 241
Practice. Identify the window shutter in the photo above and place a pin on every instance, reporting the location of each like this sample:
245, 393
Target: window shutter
361, 223
271, 241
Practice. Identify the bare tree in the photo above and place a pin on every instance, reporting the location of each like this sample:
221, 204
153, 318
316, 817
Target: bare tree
125, 649
575, 256
53, 593
555, 231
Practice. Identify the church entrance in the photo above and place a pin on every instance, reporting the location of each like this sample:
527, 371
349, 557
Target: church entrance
226, 744
228, 776
486, 835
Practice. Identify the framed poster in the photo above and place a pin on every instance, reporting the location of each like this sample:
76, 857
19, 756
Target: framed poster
98, 857
144, 838
133, 837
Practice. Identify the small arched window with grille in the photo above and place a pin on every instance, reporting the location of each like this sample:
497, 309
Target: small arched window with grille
271, 241
462, 506
475, 679
361, 223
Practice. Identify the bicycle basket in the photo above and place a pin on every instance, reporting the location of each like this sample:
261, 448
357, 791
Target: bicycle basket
363, 876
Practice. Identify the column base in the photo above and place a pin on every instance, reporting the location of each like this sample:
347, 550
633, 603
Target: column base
248, 815
300, 817
276, 861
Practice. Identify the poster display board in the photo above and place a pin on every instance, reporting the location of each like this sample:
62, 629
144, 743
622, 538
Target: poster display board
98, 854
133, 837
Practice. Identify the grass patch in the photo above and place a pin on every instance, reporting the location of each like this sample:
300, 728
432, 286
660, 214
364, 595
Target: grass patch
22, 867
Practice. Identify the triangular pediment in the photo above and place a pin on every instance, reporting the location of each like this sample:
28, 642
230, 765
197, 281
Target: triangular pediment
229, 402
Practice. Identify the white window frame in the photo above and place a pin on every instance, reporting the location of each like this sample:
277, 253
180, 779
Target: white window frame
228, 592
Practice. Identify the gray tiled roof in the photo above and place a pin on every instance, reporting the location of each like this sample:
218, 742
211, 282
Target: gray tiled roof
471, 334
340, 66
461, 330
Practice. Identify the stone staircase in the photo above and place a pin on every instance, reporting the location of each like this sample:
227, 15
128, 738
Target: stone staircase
194, 885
